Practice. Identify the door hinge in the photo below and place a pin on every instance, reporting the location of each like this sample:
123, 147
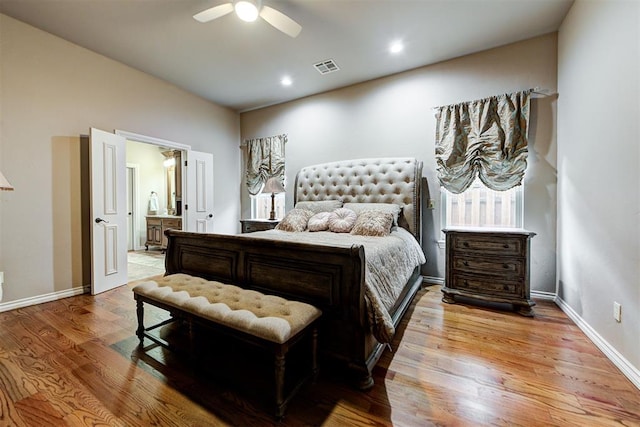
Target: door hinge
185, 163
186, 207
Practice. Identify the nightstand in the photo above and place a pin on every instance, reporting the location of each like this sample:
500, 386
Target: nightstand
251, 225
489, 265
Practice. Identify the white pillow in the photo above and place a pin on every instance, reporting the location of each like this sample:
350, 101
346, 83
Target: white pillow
342, 220
391, 208
319, 222
295, 220
373, 223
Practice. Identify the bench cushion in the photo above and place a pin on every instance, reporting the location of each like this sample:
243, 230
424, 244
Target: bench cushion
266, 316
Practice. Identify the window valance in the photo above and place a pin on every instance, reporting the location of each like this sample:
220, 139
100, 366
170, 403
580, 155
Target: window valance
265, 159
486, 138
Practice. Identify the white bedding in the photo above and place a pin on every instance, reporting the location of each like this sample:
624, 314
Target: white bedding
390, 261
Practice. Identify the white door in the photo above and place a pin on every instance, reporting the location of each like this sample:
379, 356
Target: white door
130, 232
198, 207
108, 211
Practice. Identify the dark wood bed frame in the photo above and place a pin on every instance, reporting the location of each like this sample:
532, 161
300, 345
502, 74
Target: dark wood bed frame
333, 279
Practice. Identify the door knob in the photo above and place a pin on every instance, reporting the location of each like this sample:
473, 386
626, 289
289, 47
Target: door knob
99, 220
210, 215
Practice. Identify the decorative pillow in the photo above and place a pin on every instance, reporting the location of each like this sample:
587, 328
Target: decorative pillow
373, 223
295, 220
391, 208
319, 222
342, 220
320, 206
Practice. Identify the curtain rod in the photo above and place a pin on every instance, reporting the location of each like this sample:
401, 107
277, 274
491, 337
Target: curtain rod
537, 92
541, 92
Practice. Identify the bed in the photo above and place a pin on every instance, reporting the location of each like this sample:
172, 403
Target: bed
331, 272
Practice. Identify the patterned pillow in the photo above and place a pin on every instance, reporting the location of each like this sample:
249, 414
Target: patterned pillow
320, 205
342, 220
373, 223
295, 220
319, 222
391, 208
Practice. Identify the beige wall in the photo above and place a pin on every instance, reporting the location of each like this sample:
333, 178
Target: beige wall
52, 91
599, 170
393, 116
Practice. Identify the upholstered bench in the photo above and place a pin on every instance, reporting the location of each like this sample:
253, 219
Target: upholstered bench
268, 321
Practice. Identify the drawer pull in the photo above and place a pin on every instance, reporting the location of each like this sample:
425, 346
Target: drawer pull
465, 244
505, 265
465, 263
506, 246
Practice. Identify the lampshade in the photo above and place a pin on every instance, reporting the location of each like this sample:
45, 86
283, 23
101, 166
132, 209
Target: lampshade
273, 185
4, 184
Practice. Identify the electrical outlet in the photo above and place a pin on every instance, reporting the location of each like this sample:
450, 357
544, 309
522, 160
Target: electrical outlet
617, 312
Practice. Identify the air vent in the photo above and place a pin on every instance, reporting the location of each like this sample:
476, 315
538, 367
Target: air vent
326, 67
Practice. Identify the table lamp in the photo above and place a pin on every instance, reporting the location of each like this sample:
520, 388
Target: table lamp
273, 186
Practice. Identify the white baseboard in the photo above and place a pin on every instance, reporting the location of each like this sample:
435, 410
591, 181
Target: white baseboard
25, 302
629, 371
551, 296
431, 280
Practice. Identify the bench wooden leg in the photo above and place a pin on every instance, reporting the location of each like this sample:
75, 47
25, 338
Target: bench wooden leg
140, 314
314, 354
279, 377
193, 350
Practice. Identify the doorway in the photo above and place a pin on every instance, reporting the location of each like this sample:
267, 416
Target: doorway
149, 176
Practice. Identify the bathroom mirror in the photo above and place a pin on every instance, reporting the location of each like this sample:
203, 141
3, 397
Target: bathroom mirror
173, 173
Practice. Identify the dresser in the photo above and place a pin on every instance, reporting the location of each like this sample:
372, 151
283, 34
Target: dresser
157, 225
489, 265
251, 225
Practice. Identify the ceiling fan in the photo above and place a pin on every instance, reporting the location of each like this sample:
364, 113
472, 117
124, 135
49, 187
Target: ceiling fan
249, 10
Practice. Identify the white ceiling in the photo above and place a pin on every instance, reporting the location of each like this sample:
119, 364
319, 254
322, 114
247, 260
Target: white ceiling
239, 65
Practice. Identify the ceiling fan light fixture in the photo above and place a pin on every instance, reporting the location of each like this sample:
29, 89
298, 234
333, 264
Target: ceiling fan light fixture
246, 10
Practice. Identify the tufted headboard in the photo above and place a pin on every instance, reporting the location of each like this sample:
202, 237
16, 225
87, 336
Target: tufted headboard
384, 180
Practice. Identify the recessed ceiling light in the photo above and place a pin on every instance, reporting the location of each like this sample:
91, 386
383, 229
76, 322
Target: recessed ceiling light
286, 81
396, 47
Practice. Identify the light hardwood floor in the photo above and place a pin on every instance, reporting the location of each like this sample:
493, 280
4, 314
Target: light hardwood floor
73, 362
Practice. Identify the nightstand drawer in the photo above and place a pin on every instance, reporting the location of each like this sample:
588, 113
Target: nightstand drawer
484, 286
487, 244
492, 266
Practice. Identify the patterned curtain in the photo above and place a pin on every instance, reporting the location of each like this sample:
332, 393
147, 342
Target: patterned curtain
485, 138
265, 159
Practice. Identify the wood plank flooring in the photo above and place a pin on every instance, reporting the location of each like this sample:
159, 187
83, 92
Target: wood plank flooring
73, 362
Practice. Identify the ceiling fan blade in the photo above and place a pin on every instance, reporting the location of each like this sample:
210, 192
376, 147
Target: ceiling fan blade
214, 12
280, 21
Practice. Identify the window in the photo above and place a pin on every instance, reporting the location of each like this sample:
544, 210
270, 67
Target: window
261, 205
480, 206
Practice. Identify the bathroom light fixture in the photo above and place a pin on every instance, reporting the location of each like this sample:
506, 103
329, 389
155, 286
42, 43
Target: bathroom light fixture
4, 184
